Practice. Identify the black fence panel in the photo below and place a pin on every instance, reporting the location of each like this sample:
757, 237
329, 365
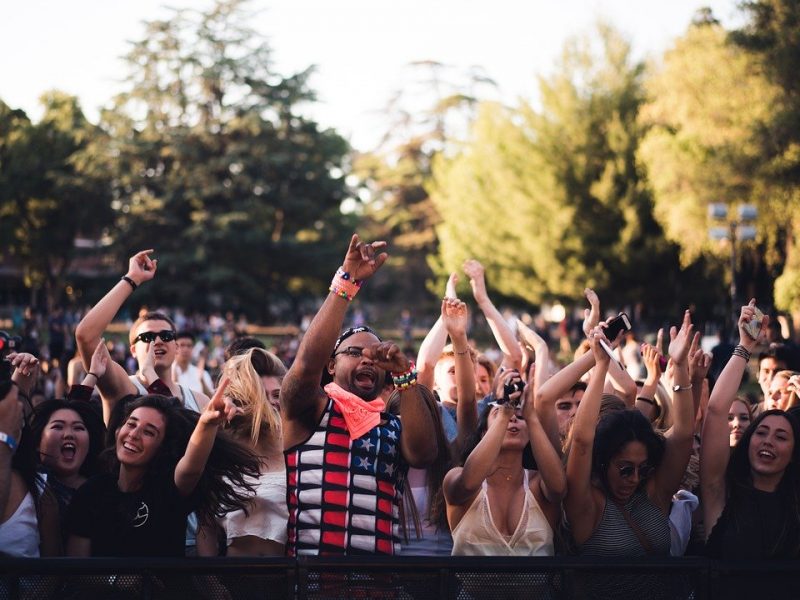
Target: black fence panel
397, 578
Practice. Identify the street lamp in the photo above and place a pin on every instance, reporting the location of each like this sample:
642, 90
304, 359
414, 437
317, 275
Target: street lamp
737, 229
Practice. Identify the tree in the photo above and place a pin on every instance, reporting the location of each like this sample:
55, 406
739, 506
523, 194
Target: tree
53, 189
771, 36
427, 116
705, 101
216, 169
554, 200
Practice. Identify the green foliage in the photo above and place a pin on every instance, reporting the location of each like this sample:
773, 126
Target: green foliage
239, 195
53, 189
554, 200
705, 101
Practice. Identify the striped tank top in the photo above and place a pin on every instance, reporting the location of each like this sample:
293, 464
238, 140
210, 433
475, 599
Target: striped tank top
614, 536
344, 495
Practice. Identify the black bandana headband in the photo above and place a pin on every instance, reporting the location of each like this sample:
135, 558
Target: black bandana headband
352, 331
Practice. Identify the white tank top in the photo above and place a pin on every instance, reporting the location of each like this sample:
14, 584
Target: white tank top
477, 535
268, 513
19, 535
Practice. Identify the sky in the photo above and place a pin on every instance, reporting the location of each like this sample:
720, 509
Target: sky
361, 48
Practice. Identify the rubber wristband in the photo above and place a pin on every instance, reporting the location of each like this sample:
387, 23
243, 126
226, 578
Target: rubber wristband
93, 375
134, 285
8, 440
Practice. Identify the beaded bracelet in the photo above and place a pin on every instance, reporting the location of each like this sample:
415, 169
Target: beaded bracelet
405, 380
343, 285
742, 352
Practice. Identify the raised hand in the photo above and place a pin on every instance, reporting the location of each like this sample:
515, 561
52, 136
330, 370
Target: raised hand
476, 273
454, 317
591, 317
221, 408
699, 361
141, 267
388, 356
597, 335
100, 358
363, 258
148, 365
450, 288
681, 340
26, 370
652, 361
746, 315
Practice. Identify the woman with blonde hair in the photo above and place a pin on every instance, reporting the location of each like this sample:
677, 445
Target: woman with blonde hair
260, 530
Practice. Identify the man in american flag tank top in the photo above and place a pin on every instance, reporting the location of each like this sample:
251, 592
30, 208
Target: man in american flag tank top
346, 457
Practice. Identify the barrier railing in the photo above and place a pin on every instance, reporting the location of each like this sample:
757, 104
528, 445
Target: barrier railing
353, 578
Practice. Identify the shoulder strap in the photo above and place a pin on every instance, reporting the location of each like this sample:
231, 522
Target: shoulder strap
648, 547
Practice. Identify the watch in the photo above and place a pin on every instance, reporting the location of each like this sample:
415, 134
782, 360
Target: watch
681, 388
8, 441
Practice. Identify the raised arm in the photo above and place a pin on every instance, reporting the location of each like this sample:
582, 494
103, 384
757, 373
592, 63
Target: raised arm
512, 355
454, 317
431, 347
651, 355
553, 479
678, 446
302, 401
699, 364
463, 483
11, 425
622, 383
715, 447
545, 410
579, 503
115, 383
191, 465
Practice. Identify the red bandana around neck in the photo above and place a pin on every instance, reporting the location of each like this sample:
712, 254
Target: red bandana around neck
360, 415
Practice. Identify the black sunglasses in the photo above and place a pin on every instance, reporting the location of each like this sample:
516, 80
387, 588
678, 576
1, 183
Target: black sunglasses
627, 471
351, 351
166, 335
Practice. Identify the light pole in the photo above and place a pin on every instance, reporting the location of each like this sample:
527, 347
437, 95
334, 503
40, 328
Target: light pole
740, 228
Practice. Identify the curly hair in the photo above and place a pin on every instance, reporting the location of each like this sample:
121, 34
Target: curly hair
223, 486
617, 428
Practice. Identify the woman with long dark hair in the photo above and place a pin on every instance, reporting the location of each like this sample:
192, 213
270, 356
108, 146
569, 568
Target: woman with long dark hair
166, 462
621, 473
749, 495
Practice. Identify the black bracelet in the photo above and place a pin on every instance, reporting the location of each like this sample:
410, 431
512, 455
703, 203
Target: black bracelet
742, 352
131, 281
649, 401
93, 375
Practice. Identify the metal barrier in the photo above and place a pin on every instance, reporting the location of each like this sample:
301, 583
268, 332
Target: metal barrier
397, 578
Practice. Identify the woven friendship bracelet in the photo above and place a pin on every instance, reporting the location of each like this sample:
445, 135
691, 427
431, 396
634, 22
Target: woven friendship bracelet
405, 380
343, 285
742, 352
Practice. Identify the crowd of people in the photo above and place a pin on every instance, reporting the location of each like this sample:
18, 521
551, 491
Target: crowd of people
358, 447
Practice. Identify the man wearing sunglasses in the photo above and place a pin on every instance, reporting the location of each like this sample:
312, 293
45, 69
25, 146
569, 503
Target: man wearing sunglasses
152, 343
341, 438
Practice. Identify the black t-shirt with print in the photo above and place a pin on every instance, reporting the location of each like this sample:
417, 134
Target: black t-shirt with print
149, 522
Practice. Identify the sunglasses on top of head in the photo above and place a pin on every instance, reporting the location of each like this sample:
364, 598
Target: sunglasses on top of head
166, 335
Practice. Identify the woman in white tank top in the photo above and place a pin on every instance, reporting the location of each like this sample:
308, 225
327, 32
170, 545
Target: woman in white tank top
494, 505
255, 380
